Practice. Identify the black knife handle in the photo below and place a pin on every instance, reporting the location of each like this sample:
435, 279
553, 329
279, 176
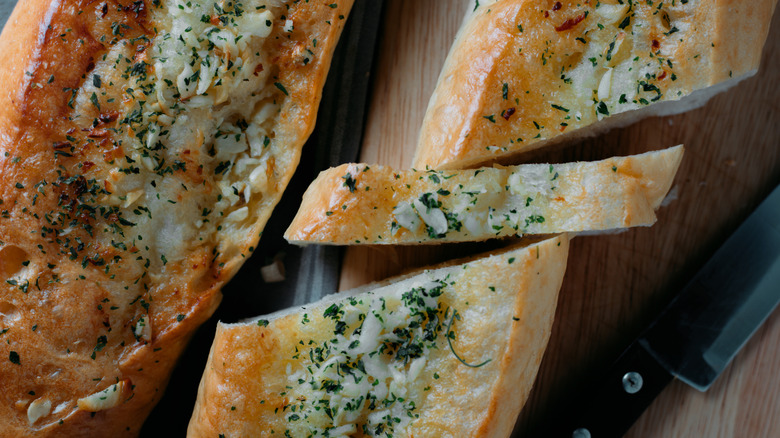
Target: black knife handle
609, 409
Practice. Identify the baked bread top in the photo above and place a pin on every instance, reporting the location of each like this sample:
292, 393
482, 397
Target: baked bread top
361, 204
451, 352
524, 74
143, 145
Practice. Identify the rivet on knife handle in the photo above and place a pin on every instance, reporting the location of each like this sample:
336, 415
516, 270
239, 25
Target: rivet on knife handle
695, 337
627, 390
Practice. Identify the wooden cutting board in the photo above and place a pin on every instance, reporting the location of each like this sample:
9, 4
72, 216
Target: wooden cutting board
614, 284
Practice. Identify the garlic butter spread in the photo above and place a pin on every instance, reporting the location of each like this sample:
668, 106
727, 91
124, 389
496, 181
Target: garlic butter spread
364, 377
143, 147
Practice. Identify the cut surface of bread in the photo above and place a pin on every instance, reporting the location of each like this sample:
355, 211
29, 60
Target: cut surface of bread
450, 352
143, 145
362, 204
525, 74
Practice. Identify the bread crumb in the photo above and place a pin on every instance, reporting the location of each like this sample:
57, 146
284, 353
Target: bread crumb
273, 273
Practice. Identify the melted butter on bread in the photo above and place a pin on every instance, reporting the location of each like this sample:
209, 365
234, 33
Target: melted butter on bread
195, 126
525, 74
391, 359
362, 379
413, 206
143, 145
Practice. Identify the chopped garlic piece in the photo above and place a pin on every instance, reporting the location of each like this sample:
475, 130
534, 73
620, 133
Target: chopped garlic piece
208, 68
238, 216
258, 25
38, 409
152, 135
612, 13
184, 83
433, 217
406, 217
105, 399
143, 329
535, 179
612, 51
605, 85
131, 197
258, 179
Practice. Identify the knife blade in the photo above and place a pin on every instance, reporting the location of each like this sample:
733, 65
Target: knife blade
695, 337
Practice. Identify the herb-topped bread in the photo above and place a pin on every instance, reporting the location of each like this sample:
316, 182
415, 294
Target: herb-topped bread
450, 352
525, 74
143, 145
362, 204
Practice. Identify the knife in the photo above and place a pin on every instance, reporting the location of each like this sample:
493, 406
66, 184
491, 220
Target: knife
695, 337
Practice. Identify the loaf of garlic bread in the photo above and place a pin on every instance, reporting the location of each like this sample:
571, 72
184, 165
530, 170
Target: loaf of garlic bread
523, 74
143, 145
449, 352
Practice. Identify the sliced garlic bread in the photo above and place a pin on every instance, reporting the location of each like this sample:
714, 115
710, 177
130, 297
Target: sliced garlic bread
451, 352
143, 145
525, 74
361, 204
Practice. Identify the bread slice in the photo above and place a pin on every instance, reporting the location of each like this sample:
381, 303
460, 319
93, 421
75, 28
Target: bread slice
450, 352
524, 74
143, 145
361, 204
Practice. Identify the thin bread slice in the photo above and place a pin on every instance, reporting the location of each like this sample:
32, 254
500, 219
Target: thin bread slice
451, 352
525, 74
360, 204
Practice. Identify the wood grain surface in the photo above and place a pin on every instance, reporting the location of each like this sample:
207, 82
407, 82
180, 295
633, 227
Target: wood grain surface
614, 284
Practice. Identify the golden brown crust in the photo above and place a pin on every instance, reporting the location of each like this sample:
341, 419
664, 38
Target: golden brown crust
303, 84
85, 300
525, 74
507, 303
361, 204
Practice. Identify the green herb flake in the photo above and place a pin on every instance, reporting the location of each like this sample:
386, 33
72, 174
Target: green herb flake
450, 335
349, 182
94, 100
281, 87
602, 108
